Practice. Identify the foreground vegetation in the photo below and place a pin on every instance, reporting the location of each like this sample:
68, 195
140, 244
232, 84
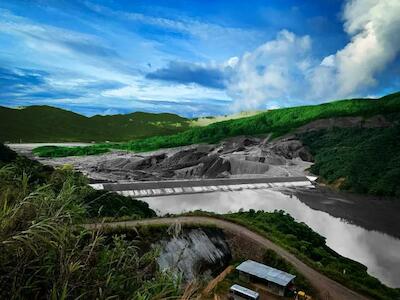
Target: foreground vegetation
45, 254
310, 247
277, 122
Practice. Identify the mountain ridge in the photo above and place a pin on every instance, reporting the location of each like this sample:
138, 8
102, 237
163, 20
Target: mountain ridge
44, 123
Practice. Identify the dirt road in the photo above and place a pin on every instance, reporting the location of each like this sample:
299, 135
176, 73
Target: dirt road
327, 288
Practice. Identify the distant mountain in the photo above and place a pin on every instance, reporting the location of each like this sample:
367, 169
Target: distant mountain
50, 124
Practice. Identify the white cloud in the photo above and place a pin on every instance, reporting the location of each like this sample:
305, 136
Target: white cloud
166, 92
231, 62
374, 28
197, 38
284, 71
274, 71
203, 30
70, 69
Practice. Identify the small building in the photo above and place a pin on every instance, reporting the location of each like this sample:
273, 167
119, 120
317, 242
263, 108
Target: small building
238, 292
274, 280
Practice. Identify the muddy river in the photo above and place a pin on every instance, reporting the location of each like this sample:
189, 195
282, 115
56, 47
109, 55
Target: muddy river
364, 229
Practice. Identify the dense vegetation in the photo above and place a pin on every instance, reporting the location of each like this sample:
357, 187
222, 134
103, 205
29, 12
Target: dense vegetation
50, 124
277, 122
361, 160
63, 151
309, 246
45, 254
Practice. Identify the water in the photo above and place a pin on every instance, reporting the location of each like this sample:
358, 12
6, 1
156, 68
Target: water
378, 251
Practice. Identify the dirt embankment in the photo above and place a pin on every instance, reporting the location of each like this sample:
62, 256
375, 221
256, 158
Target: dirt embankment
377, 121
235, 157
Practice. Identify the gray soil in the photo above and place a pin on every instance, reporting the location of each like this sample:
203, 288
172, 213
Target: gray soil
233, 158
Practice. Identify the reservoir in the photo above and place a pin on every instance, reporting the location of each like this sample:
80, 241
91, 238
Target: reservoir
360, 228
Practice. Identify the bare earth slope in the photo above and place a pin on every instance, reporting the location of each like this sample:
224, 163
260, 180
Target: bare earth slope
234, 157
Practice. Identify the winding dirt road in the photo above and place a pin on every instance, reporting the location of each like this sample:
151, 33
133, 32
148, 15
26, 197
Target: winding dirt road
327, 288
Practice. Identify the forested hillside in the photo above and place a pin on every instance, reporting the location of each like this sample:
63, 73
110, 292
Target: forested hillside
361, 160
50, 124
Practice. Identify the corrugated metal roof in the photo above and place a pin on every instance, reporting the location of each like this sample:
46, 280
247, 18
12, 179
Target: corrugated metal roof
246, 291
265, 272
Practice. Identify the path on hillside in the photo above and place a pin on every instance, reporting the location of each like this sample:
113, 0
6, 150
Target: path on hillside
324, 285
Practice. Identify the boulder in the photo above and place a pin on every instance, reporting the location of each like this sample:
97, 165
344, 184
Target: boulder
291, 148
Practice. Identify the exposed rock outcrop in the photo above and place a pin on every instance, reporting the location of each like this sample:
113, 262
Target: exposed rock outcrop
291, 148
239, 156
195, 253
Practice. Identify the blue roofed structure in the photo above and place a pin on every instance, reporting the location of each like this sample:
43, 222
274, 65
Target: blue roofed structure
265, 272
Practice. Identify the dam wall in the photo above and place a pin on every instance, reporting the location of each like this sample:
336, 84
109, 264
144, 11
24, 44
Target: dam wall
176, 187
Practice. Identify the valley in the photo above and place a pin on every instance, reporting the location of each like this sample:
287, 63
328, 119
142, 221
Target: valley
217, 174
200, 150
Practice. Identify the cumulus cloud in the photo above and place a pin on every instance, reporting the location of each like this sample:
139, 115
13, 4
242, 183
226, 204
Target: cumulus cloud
374, 27
275, 71
284, 71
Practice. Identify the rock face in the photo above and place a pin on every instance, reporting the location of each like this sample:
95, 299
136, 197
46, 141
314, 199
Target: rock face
291, 148
194, 253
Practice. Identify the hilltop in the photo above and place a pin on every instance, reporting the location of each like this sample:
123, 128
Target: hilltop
276, 123
50, 124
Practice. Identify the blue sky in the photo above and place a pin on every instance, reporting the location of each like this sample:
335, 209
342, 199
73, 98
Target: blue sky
196, 58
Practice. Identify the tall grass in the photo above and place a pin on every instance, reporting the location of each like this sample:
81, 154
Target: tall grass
45, 254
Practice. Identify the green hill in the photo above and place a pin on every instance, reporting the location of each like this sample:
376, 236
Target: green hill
50, 124
276, 122
361, 159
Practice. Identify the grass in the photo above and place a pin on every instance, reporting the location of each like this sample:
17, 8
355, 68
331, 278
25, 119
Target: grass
204, 121
277, 122
60, 151
46, 255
